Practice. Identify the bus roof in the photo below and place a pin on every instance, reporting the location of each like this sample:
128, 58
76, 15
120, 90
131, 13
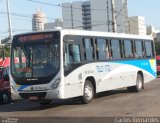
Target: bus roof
104, 34
95, 33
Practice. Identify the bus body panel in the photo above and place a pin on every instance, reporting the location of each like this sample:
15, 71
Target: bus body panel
108, 76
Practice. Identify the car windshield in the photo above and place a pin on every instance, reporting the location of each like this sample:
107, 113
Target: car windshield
35, 59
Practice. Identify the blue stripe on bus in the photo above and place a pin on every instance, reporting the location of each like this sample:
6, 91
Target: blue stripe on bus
22, 87
143, 64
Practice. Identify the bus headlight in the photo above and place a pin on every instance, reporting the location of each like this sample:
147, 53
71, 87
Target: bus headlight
55, 84
13, 88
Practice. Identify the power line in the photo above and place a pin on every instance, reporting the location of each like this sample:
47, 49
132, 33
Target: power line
145, 5
62, 6
4, 32
21, 15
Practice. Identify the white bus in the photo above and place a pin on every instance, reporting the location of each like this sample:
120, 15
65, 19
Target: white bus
62, 64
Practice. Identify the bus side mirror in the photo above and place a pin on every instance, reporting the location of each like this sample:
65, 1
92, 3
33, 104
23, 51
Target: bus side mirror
6, 77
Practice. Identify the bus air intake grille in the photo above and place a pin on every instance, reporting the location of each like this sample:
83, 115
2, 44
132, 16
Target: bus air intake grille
39, 95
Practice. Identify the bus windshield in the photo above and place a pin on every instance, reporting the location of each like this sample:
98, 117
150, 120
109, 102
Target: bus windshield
35, 58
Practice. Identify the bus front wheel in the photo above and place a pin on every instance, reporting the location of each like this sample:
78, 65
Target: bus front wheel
139, 84
88, 92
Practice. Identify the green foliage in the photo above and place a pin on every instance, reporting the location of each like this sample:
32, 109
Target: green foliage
5, 51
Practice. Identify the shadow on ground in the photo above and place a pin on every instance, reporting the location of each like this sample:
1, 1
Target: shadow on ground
35, 106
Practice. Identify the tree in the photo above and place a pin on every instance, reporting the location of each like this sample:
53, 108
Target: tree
5, 51
157, 46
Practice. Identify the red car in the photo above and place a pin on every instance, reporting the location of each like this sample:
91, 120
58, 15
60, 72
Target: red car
158, 65
5, 91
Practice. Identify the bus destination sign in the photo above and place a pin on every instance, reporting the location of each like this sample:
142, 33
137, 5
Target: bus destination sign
35, 37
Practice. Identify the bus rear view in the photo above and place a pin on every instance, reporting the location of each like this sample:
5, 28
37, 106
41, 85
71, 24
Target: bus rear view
35, 66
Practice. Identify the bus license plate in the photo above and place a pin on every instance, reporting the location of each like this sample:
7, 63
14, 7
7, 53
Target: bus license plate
40, 88
33, 98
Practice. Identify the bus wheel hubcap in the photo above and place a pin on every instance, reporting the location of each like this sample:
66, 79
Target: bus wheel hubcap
88, 92
139, 84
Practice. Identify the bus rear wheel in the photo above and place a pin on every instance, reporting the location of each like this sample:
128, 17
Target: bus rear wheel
88, 92
139, 84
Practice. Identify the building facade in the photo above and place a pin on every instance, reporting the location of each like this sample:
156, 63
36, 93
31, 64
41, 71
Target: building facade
137, 25
150, 30
38, 21
95, 15
76, 15
52, 25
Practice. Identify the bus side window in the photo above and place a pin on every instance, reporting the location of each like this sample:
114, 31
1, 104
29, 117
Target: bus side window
128, 51
108, 54
138, 49
149, 49
101, 49
71, 55
66, 56
115, 49
74, 53
88, 49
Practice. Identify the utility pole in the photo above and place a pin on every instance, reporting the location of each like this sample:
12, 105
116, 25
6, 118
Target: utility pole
72, 15
108, 21
9, 19
113, 16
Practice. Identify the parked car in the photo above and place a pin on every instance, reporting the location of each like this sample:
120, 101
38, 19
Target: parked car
5, 91
158, 65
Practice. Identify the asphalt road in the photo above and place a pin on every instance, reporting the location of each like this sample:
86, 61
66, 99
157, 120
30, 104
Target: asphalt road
118, 103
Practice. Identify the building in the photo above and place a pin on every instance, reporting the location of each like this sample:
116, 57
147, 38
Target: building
137, 25
101, 15
95, 15
52, 25
38, 20
73, 15
152, 31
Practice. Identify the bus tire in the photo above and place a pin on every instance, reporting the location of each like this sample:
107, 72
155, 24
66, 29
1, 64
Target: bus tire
88, 92
4, 98
139, 84
45, 102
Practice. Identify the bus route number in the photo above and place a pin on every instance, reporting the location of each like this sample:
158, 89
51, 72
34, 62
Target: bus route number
104, 68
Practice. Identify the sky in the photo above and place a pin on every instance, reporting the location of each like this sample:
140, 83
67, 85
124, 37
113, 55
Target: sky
22, 11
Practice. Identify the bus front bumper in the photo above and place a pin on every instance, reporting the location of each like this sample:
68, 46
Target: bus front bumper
37, 95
